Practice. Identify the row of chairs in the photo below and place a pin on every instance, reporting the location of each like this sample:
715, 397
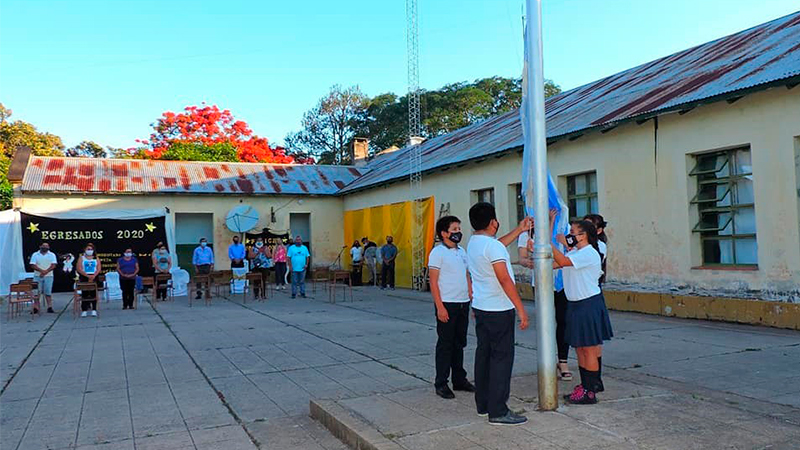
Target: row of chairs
20, 296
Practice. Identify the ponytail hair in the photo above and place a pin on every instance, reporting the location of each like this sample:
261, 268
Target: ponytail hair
591, 232
598, 222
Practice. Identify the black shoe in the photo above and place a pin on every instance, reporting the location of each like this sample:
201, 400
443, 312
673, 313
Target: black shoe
198, 297
35, 311
465, 386
445, 392
482, 414
509, 419
50, 310
303, 295
294, 296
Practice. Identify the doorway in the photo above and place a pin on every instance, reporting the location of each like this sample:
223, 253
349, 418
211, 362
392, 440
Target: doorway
189, 228
300, 223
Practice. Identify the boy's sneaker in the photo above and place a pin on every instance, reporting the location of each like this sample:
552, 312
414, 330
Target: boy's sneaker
303, 295
94, 313
294, 296
85, 314
50, 310
509, 419
483, 414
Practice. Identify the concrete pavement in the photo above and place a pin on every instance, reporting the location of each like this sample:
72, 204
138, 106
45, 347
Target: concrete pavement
236, 375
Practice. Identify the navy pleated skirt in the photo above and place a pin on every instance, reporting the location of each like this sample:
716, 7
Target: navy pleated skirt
588, 323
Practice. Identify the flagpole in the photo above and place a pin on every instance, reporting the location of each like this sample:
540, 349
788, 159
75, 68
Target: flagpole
542, 252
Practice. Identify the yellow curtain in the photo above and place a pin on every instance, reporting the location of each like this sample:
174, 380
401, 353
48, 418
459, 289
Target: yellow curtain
391, 220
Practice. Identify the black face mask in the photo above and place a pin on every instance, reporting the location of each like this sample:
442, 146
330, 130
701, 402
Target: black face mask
572, 241
456, 237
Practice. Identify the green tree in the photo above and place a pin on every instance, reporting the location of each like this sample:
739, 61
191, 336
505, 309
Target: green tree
13, 134
6, 190
328, 128
197, 151
86, 149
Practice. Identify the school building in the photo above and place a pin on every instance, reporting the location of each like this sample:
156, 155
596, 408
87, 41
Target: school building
693, 159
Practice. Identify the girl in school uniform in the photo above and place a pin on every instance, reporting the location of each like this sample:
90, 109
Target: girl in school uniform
602, 240
588, 323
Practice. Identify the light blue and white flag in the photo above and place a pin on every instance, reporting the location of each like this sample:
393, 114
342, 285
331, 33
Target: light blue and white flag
553, 197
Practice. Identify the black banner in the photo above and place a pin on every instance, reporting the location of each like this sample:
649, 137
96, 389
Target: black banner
270, 238
68, 238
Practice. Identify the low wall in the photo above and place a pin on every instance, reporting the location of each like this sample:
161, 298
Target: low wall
754, 312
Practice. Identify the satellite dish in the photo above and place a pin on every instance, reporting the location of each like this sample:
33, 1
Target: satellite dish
241, 219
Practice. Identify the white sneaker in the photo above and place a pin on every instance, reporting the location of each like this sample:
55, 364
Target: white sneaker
94, 313
85, 314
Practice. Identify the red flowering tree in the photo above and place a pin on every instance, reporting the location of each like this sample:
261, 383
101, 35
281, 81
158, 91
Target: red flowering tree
207, 133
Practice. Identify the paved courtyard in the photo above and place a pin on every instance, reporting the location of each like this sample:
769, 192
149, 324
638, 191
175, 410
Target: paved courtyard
233, 375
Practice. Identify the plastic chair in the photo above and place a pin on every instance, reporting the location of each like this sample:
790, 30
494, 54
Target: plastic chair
19, 295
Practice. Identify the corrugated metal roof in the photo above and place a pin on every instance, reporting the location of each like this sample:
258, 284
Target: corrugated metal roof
130, 176
755, 57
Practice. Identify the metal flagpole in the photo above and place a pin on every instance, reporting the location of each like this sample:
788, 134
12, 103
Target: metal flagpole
542, 252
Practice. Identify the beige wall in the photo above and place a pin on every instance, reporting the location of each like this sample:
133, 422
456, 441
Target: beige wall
326, 215
644, 191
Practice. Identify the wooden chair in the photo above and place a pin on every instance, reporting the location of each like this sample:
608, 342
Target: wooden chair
101, 287
19, 295
219, 280
77, 298
148, 285
165, 279
344, 277
253, 280
322, 275
201, 282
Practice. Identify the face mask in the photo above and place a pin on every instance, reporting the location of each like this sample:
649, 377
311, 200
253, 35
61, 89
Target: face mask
203, 244
44, 250
89, 252
572, 241
128, 254
259, 244
298, 244
456, 237
163, 251
236, 241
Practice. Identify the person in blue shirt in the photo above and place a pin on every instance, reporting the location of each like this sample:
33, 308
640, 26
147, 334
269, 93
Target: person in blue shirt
236, 253
203, 261
299, 257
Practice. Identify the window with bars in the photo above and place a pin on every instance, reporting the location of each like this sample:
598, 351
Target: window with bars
726, 207
582, 195
484, 195
520, 203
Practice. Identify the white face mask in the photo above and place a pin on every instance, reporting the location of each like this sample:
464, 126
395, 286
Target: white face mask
89, 252
259, 244
128, 254
203, 244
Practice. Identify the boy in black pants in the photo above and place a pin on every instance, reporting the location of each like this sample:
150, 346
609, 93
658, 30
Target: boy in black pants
494, 300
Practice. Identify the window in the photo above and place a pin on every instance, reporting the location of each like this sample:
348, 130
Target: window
725, 205
520, 202
582, 195
484, 195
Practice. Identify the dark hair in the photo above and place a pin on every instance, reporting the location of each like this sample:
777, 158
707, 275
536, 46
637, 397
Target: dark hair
598, 222
591, 232
128, 248
89, 245
356, 244
481, 215
443, 225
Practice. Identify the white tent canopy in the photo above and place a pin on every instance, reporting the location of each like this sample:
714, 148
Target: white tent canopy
14, 265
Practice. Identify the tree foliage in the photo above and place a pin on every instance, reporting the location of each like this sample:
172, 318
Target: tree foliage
16, 133
206, 133
87, 149
344, 113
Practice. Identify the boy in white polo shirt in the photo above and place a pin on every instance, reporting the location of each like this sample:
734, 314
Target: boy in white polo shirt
43, 263
451, 289
494, 300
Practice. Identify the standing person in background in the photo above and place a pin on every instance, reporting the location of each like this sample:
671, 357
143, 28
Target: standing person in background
451, 289
43, 263
279, 258
370, 255
154, 254
388, 256
356, 257
602, 240
588, 323
494, 300
163, 266
203, 261
261, 261
236, 253
525, 250
88, 268
299, 257
128, 269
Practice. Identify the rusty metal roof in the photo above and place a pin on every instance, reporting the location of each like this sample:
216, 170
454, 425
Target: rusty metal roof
751, 59
130, 176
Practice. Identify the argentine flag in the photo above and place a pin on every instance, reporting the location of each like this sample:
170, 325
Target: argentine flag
553, 197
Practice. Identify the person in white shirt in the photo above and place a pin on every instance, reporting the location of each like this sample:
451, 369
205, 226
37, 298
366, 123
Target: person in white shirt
43, 263
451, 289
357, 263
602, 240
588, 323
494, 300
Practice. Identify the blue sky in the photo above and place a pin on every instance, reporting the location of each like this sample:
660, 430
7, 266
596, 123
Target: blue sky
105, 70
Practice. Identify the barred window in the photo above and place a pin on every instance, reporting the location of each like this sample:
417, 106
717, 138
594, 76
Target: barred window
726, 208
582, 195
484, 195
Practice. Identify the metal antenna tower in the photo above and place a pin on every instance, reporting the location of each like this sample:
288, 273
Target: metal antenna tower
415, 155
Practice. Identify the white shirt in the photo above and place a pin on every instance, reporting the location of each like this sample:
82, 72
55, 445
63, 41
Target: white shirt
452, 266
44, 261
487, 293
581, 279
603, 249
355, 253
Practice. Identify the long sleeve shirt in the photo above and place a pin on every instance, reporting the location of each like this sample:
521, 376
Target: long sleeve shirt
236, 251
202, 256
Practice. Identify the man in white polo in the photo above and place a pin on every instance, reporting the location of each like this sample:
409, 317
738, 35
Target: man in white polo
451, 288
43, 263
